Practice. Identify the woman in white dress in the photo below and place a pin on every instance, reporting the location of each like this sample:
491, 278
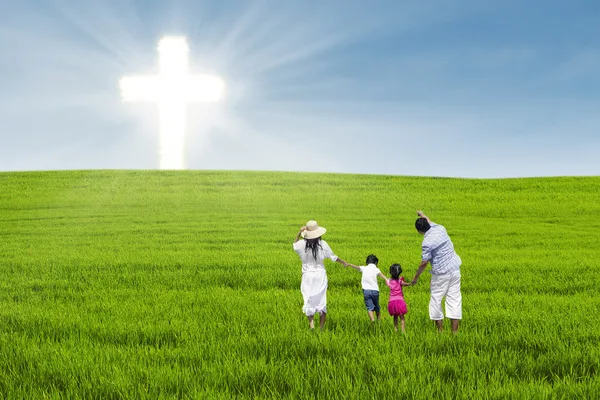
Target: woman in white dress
313, 251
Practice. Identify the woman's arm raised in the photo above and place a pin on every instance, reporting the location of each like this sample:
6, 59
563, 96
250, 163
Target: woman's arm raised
299, 235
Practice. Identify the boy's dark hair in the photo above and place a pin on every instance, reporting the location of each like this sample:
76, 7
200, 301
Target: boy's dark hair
422, 225
395, 271
372, 259
314, 245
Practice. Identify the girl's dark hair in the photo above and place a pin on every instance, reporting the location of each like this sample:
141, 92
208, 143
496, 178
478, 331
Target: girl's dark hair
314, 245
395, 271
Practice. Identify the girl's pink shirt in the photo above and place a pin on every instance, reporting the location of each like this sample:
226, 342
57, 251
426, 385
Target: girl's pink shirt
396, 289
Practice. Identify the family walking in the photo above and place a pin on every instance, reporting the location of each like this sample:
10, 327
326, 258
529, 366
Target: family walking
436, 249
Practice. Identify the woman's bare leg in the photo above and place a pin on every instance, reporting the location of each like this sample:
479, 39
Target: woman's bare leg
403, 324
396, 323
322, 319
311, 321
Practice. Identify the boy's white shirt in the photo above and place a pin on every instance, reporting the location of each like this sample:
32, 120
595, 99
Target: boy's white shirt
369, 277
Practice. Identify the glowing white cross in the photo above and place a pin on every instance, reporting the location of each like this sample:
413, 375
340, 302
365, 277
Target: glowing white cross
172, 89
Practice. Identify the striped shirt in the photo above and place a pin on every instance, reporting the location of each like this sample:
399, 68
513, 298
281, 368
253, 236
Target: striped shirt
439, 250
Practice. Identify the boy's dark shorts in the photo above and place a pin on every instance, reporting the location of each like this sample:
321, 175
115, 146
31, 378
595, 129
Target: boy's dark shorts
371, 299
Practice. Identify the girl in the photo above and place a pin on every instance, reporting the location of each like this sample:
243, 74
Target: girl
397, 305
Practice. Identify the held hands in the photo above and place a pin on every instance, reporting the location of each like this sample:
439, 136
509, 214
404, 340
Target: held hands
352, 265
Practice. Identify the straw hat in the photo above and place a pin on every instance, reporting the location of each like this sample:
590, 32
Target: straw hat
313, 230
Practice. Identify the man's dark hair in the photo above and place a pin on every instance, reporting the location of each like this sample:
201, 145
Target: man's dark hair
422, 225
372, 259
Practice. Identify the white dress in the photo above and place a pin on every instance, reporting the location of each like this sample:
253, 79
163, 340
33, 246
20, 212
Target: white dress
314, 277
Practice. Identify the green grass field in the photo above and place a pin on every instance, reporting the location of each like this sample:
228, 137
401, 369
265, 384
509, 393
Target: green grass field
144, 284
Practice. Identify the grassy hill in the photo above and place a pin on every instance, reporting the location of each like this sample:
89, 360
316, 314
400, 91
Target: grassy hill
145, 284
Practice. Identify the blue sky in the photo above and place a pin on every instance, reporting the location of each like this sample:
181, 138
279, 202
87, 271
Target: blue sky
436, 88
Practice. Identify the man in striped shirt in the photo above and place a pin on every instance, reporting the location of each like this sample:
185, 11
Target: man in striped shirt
437, 249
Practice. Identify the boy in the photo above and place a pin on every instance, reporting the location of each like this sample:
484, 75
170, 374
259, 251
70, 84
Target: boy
370, 286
